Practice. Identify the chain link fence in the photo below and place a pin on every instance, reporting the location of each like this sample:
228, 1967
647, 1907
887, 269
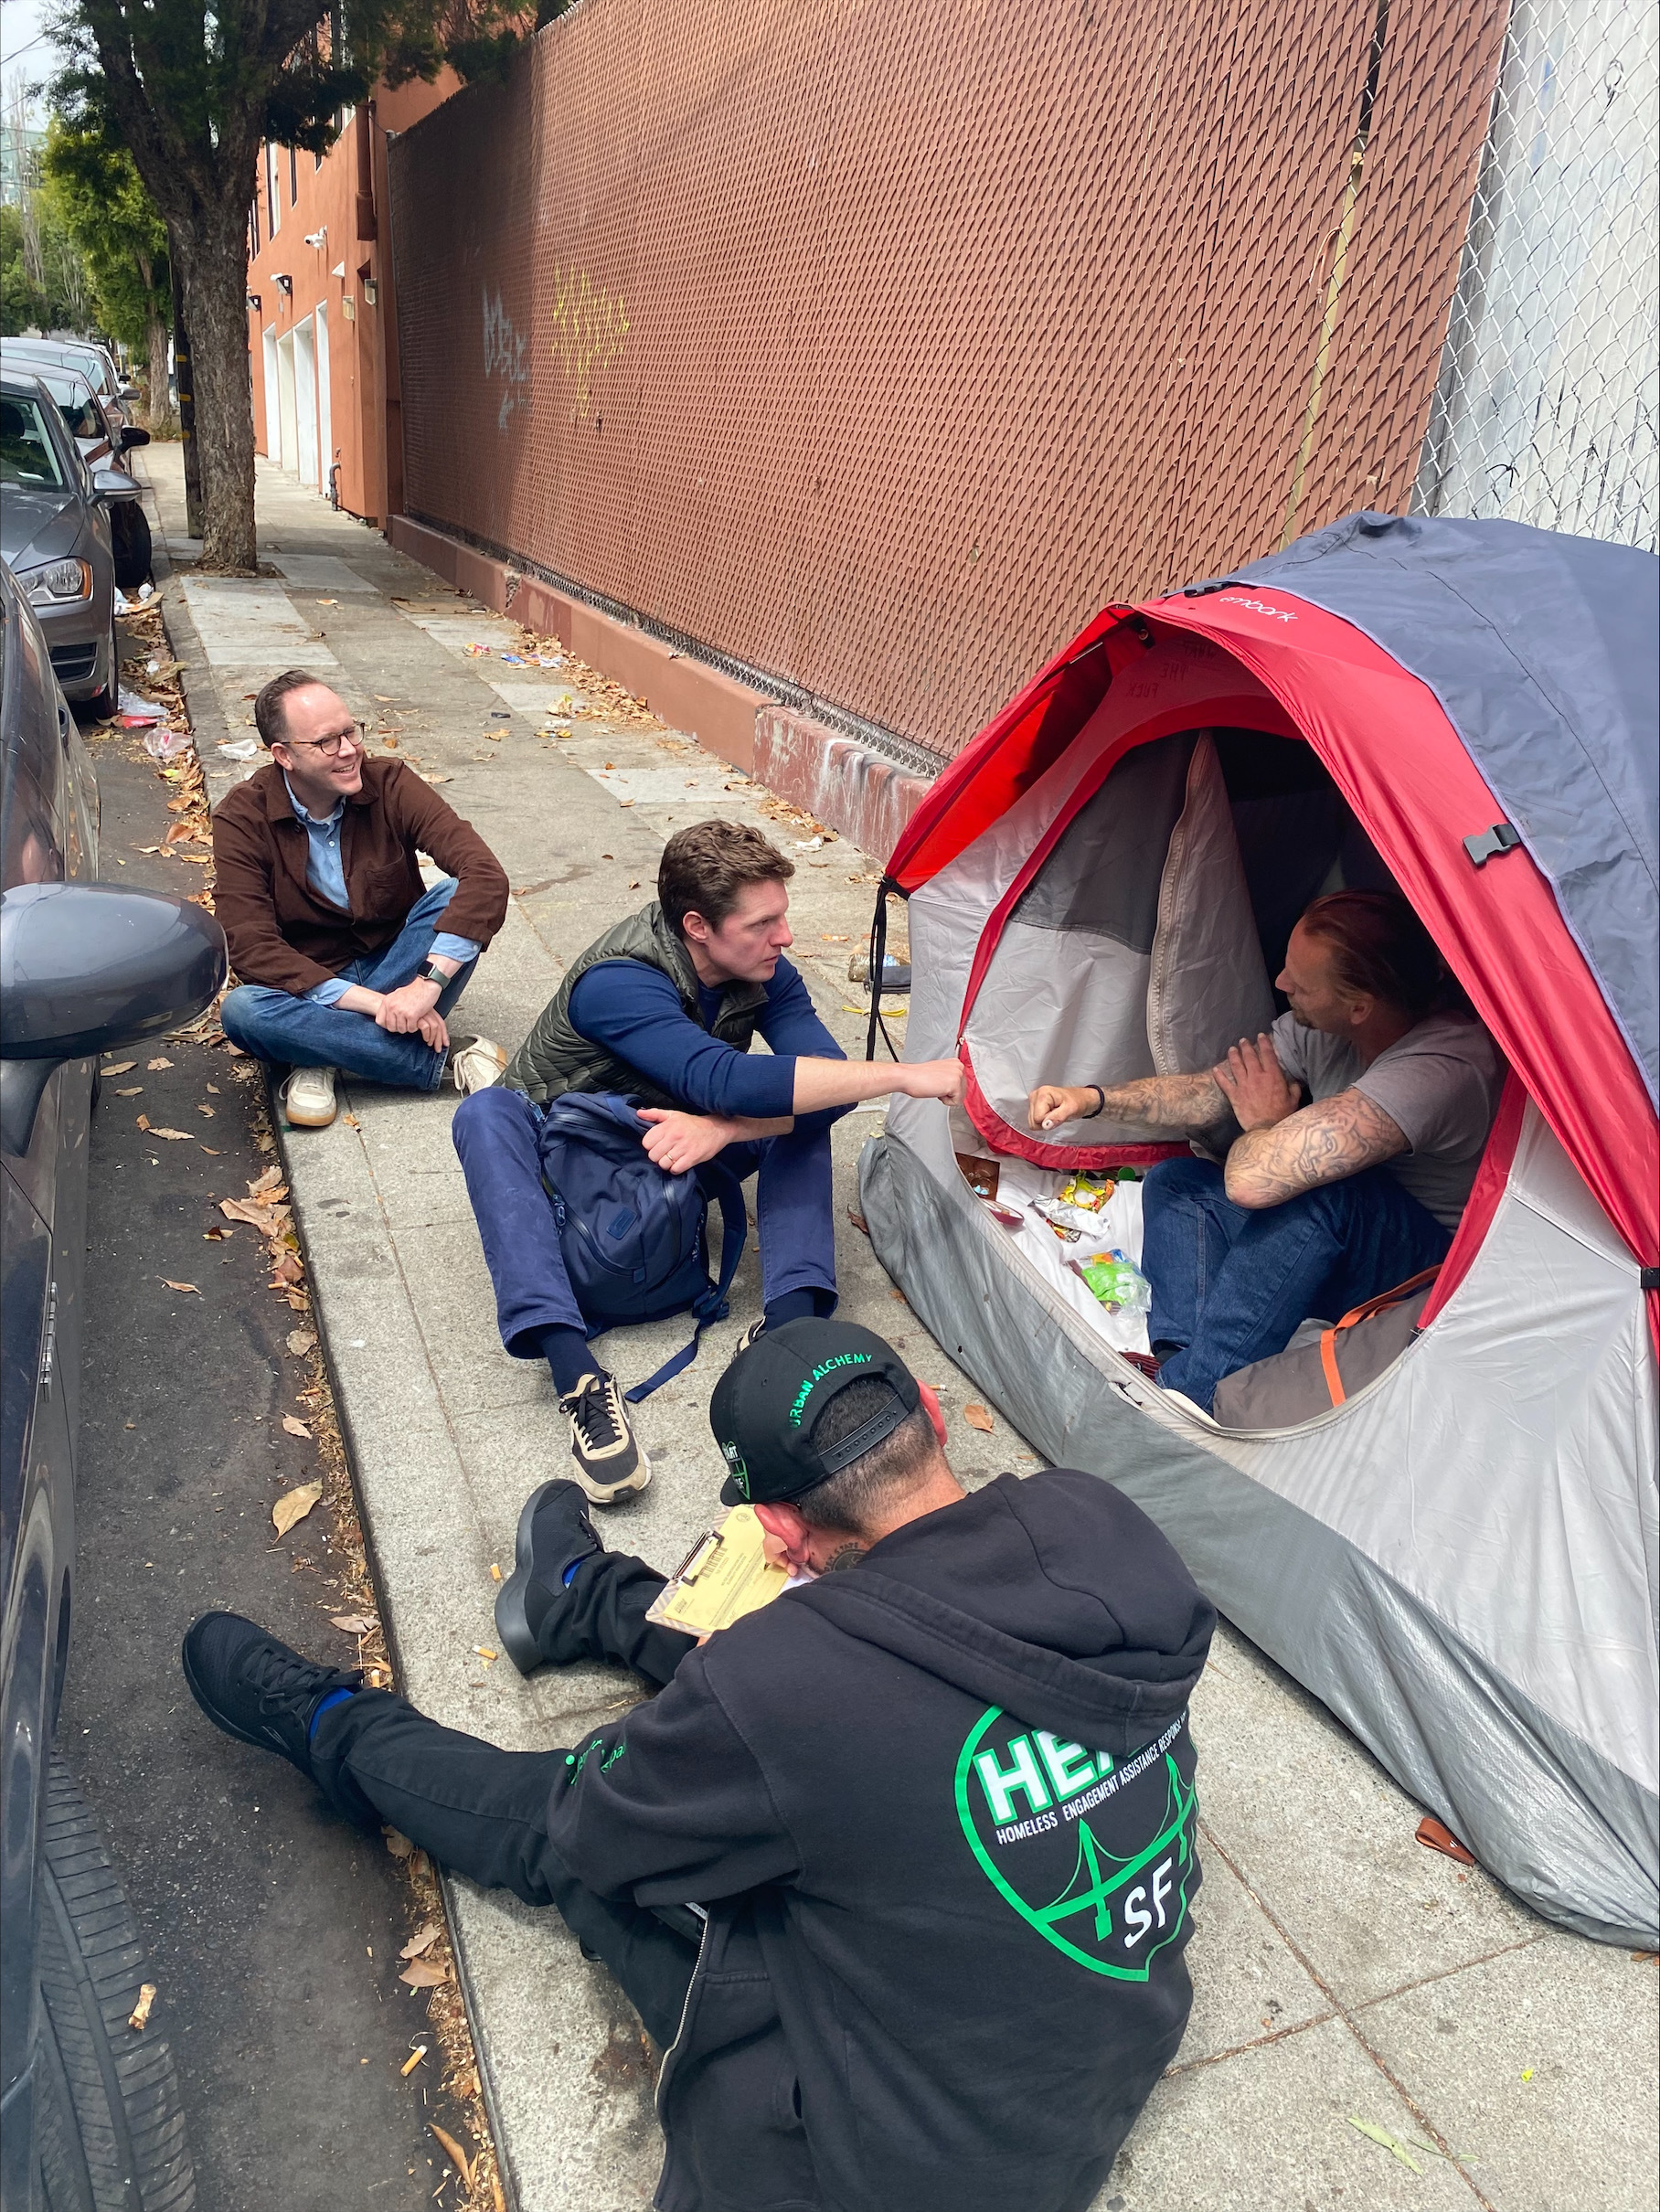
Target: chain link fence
1548, 402
869, 348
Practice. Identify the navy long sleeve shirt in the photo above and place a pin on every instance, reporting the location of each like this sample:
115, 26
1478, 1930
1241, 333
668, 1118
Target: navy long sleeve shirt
634, 1011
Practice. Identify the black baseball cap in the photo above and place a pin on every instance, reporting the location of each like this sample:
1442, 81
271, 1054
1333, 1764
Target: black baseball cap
765, 1406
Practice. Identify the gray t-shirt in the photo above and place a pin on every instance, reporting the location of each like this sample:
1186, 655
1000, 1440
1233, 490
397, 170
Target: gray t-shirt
1440, 1084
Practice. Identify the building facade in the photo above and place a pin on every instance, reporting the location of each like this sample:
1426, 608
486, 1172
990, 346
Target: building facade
322, 336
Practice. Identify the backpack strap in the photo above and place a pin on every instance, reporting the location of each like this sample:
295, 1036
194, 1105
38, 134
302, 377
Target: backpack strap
1364, 1311
722, 1185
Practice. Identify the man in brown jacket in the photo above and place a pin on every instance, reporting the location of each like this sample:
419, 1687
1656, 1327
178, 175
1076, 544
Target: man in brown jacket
345, 959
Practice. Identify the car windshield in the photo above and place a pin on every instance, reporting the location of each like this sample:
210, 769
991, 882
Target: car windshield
28, 459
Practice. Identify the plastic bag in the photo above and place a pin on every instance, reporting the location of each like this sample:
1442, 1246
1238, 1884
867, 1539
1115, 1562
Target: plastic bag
1120, 1285
1090, 1189
168, 744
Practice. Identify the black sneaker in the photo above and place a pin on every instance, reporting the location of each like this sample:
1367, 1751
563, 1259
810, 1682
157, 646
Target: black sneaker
555, 1534
255, 1688
609, 1459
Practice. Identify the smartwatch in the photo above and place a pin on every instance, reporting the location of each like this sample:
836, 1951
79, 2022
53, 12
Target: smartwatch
434, 974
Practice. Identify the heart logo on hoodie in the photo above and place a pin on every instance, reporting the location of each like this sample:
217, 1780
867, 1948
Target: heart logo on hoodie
1097, 1857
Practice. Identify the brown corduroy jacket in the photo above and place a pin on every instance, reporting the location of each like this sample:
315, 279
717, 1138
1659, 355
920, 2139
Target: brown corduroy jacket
282, 935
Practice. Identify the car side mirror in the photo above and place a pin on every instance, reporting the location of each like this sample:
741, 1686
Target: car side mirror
114, 484
133, 436
128, 394
86, 966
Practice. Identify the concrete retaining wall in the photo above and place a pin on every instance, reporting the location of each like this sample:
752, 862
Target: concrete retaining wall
858, 791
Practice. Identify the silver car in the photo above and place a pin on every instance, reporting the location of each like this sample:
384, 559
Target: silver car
103, 444
55, 538
87, 357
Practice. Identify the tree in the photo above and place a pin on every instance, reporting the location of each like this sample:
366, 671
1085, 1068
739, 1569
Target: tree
97, 196
192, 92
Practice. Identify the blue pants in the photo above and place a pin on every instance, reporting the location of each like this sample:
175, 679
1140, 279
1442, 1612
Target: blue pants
1231, 1285
277, 1026
497, 1134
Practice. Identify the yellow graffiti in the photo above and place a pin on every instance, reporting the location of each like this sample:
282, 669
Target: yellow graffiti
589, 329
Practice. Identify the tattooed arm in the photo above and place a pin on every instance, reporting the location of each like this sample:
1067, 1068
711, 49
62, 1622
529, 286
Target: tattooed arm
1340, 1136
1192, 1104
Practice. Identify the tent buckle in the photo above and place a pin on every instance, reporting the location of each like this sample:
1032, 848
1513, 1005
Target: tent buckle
1503, 837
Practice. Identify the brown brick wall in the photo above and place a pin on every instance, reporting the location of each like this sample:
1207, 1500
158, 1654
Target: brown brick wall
877, 345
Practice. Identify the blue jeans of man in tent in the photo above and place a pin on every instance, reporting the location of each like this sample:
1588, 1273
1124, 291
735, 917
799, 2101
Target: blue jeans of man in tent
277, 1026
496, 1135
1232, 1284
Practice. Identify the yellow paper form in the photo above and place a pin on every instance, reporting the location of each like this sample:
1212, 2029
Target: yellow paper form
724, 1576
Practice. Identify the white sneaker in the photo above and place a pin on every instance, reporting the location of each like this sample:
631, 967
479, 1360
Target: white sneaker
474, 1064
308, 1098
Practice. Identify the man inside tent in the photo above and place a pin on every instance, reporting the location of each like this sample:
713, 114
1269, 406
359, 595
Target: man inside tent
1318, 1206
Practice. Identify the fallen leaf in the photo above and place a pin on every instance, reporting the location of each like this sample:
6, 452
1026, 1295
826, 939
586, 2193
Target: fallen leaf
1381, 2135
119, 1067
859, 1221
353, 1624
213, 1087
144, 1119
413, 2060
268, 1181
421, 1973
216, 1235
212, 1151
299, 1341
1435, 1837
287, 1270
189, 1287
457, 2157
295, 1428
244, 1209
399, 1845
978, 1418
132, 1091
424, 1940
206, 1110
154, 1064
174, 1136
294, 1505
140, 2014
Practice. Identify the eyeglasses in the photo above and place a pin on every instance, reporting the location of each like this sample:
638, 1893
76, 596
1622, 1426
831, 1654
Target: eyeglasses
329, 747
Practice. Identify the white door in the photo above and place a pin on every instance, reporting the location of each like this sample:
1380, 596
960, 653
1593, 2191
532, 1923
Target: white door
274, 418
287, 442
305, 399
325, 411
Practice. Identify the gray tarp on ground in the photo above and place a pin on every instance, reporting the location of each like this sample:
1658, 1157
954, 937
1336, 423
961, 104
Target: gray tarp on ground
1540, 648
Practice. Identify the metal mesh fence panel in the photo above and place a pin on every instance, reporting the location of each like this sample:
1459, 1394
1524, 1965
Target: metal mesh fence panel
1548, 402
876, 345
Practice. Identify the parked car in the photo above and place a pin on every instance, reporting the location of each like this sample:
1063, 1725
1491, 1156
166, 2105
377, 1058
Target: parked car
92, 360
102, 444
90, 2117
55, 534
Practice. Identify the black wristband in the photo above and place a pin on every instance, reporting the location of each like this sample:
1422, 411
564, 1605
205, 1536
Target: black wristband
1101, 1104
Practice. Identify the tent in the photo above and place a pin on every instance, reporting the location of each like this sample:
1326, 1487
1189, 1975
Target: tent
1461, 1559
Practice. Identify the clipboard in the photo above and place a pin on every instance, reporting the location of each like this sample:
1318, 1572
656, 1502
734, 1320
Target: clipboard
725, 1575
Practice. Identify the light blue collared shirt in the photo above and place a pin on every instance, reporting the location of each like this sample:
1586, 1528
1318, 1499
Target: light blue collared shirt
326, 873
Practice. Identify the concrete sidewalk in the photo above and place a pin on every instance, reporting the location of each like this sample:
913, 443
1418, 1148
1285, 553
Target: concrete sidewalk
1343, 1973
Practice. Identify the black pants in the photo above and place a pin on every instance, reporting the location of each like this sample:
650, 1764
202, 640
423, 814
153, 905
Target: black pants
482, 1812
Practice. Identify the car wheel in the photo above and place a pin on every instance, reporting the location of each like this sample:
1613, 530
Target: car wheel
103, 703
108, 2129
131, 529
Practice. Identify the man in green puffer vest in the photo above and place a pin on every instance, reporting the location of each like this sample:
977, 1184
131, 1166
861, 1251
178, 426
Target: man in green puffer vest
663, 1009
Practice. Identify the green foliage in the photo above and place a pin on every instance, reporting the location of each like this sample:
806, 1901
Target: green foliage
96, 192
44, 283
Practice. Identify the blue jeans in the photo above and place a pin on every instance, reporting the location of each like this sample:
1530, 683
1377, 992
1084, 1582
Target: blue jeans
498, 1134
1231, 1285
277, 1026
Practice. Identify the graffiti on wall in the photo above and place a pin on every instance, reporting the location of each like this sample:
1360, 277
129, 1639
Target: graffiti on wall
589, 328
506, 356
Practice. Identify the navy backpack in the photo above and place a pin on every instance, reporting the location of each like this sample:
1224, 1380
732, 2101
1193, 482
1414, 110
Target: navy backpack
635, 1238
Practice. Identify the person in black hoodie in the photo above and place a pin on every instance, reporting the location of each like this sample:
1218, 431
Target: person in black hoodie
898, 1870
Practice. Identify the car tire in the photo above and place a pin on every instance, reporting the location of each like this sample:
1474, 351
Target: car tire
130, 528
109, 2127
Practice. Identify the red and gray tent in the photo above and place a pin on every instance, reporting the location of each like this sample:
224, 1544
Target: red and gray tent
1461, 1559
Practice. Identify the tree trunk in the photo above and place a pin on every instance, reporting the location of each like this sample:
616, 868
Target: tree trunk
213, 267
156, 355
